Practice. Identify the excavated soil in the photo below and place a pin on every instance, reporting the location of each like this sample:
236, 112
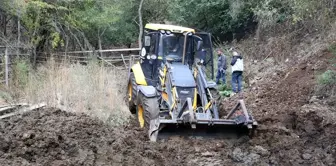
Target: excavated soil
295, 126
54, 137
294, 129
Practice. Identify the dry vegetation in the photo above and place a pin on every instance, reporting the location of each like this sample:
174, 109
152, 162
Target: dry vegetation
274, 52
91, 88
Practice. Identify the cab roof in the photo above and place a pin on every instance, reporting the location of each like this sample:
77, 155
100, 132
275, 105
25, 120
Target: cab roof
172, 28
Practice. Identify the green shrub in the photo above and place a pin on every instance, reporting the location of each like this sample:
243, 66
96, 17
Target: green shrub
332, 49
222, 87
327, 84
21, 68
328, 78
225, 93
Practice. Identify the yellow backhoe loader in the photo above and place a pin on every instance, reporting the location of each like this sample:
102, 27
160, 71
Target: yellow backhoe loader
170, 87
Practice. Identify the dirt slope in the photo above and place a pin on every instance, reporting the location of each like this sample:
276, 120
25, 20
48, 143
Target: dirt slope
295, 129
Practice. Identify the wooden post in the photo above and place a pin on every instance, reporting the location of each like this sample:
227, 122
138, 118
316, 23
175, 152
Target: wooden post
6, 65
19, 38
123, 59
66, 48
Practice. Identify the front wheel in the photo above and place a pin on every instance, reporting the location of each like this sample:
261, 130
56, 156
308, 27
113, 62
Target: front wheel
148, 115
131, 93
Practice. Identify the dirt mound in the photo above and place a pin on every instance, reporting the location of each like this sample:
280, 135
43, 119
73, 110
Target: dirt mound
55, 137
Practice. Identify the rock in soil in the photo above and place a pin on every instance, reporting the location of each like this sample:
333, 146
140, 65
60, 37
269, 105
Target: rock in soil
307, 156
207, 154
237, 155
261, 151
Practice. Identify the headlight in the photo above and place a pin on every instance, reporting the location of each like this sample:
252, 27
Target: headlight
153, 57
148, 57
143, 52
162, 31
168, 32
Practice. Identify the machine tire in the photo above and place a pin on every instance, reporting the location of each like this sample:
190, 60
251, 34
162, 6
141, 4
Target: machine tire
133, 88
151, 108
150, 115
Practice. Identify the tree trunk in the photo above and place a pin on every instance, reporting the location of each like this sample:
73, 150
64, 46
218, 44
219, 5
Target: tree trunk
19, 37
34, 56
4, 24
140, 24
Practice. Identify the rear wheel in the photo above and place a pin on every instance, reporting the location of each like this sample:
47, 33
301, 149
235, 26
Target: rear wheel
131, 93
148, 115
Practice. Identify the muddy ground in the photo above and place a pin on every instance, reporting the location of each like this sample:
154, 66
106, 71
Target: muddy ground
295, 128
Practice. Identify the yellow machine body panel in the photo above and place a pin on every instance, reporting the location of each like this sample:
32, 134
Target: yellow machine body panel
172, 28
138, 74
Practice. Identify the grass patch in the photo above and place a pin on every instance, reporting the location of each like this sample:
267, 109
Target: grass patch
332, 50
92, 89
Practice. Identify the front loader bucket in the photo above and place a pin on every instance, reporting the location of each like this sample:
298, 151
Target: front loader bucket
199, 125
214, 129
201, 131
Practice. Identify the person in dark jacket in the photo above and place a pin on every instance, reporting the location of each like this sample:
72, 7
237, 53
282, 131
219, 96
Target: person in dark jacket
221, 67
237, 72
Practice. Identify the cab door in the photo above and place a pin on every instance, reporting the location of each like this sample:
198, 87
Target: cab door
149, 57
207, 45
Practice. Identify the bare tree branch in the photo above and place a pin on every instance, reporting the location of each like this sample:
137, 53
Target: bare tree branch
135, 20
140, 23
76, 38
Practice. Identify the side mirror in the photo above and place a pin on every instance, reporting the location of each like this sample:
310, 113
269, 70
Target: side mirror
147, 41
199, 45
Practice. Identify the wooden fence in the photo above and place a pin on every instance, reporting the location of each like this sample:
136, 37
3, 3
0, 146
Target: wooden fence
119, 58
112, 57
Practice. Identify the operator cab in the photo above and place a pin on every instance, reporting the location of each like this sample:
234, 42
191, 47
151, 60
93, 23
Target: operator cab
172, 47
174, 44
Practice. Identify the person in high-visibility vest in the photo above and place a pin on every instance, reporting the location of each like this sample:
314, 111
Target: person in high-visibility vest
237, 66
